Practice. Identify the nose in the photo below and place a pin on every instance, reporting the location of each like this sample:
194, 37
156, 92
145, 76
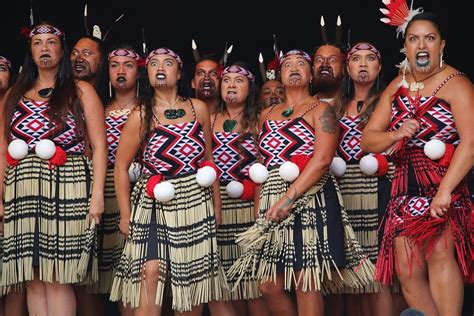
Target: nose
421, 43
121, 69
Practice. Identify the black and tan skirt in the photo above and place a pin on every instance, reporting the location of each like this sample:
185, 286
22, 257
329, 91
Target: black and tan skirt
315, 240
237, 217
181, 235
110, 240
46, 223
365, 201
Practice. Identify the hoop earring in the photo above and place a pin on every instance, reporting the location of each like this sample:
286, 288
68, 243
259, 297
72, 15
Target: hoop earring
441, 61
110, 89
138, 88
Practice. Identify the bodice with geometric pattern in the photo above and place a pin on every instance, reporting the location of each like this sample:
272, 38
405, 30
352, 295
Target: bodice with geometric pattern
349, 138
114, 125
31, 123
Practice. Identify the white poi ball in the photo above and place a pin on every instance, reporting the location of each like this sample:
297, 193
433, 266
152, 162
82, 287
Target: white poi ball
164, 191
18, 149
45, 149
369, 165
134, 171
205, 176
435, 149
289, 171
338, 166
258, 173
234, 189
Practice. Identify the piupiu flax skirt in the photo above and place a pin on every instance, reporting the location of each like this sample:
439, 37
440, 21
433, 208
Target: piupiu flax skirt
110, 240
237, 217
181, 235
316, 240
46, 223
365, 201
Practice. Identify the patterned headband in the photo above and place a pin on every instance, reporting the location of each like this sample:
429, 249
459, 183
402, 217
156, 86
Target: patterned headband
164, 51
363, 46
6, 61
298, 53
46, 29
124, 53
234, 69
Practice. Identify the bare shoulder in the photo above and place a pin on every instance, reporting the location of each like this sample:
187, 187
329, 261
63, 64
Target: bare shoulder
459, 87
84, 87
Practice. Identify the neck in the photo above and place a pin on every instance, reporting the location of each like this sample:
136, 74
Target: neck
211, 104
235, 108
361, 91
46, 77
421, 76
167, 95
295, 95
327, 94
123, 97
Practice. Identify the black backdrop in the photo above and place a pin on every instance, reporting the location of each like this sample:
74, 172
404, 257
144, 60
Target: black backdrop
248, 25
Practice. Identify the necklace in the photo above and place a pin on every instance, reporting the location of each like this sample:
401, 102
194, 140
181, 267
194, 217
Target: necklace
419, 85
122, 109
230, 123
172, 113
290, 109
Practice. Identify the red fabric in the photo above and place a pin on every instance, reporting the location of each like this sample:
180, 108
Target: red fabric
274, 64
383, 164
151, 183
249, 190
448, 155
301, 161
59, 158
208, 163
10, 161
141, 63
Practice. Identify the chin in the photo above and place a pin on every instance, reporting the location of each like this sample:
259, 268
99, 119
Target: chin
424, 68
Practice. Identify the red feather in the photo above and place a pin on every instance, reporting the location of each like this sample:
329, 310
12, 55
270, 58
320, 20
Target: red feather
25, 32
448, 155
383, 164
398, 12
59, 158
249, 190
151, 183
10, 161
274, 64
141, 63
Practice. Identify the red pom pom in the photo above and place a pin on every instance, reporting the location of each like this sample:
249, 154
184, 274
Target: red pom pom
208, 163
141, 63
301, 161
274, 64
448, 155
383, 165
151, 183
10, 161
59, 158
249, 190
25, 32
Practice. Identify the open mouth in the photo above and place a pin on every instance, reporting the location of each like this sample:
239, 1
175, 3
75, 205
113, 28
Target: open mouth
79, 66
273, 101
45, 56
295, 76
121, 79
422, 58
231, 93
160, 76
325, 71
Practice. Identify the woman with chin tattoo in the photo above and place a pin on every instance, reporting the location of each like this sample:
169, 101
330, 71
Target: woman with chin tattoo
365, 196
170, 218
234, 133
424, 118
302, 239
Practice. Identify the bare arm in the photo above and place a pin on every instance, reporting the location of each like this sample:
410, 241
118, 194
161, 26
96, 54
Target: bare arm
204, 119
129, 145
375, 137
95, 124
459, 93
326, 139
3, 162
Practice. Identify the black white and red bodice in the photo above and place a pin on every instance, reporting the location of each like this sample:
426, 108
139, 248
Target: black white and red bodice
174, 149
435, 117
31, 123
233, 160
349, 138
114, 125
279, 140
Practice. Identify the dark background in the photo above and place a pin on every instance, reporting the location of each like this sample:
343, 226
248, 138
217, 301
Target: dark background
248, 25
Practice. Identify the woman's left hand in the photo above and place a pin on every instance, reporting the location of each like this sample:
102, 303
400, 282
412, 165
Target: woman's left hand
96, 208
280, 210
440, 204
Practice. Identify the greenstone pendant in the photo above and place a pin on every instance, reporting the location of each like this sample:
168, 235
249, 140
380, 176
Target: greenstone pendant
229, 125
287, 112
172, 114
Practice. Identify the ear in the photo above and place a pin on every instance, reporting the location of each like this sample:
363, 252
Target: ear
193, 85
179, 74
443, 44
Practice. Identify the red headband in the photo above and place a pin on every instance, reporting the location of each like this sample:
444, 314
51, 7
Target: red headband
124, 53
363, 46
234, 69
164, 51
46, 29
6, 61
